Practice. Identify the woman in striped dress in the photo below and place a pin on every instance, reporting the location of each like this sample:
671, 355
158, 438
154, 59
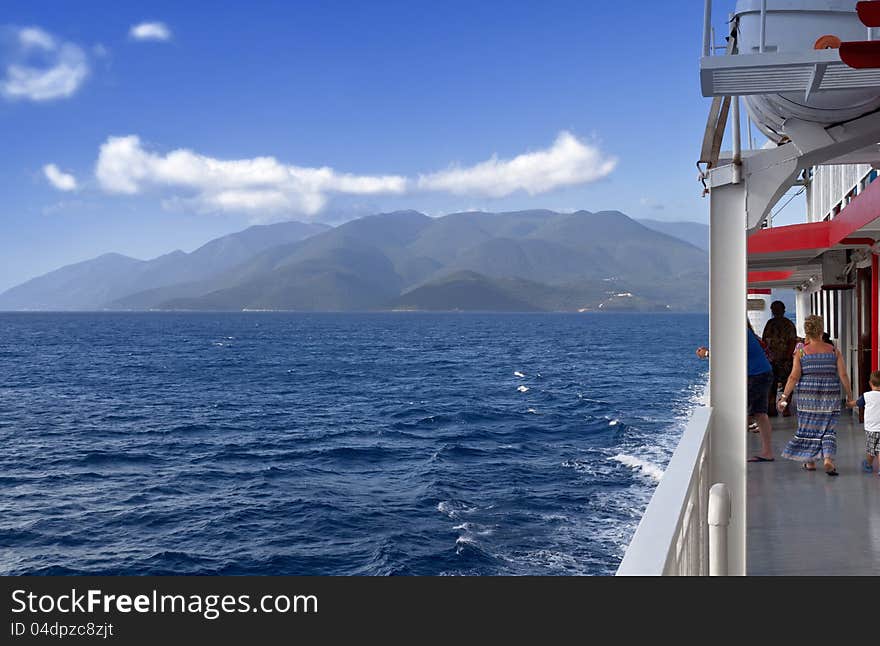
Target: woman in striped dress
818, 372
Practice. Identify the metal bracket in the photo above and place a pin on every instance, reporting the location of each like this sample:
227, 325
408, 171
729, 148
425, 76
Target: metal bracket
768, 174
815, 79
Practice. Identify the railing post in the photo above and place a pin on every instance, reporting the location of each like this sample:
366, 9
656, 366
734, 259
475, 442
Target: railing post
727, 340
736, 135
707, 29
763, 45
719, 519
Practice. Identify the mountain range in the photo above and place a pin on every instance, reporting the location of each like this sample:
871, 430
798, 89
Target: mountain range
517, 261
695, 233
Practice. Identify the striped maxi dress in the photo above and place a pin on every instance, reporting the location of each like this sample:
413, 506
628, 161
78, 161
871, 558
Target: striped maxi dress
818, 407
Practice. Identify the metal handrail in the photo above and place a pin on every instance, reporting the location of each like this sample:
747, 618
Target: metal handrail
672, 537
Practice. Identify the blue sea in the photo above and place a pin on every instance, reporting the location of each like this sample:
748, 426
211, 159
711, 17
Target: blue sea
347, 444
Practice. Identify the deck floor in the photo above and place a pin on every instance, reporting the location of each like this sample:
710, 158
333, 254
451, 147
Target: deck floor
802, 523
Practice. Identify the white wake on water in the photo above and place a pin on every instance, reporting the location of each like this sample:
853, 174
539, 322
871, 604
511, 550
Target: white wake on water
454, 509
474, 529
638, 464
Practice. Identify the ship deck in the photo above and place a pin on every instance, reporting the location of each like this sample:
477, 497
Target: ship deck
802, 523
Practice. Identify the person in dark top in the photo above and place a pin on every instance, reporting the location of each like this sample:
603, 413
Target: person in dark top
780, 335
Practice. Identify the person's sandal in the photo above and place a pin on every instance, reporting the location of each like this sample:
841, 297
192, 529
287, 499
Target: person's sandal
831, 472
806, 468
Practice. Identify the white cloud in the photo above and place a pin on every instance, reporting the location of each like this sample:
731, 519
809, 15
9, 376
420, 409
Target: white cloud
150, 31
36, 38
652, 204
44, 69
567, 162
260, 186
59, 179
265, 187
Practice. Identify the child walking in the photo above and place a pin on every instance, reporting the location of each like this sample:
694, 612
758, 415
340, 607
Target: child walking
871, 403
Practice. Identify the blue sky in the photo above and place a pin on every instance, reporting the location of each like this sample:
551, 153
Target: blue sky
403, 104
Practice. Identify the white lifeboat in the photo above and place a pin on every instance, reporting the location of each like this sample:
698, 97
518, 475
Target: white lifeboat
796, 26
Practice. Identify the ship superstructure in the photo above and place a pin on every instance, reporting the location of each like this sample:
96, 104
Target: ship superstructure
808, 74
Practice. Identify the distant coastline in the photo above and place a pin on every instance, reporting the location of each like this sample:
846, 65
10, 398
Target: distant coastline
354, 312
523, 261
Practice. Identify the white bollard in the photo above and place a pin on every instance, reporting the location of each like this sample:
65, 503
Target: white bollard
719, 519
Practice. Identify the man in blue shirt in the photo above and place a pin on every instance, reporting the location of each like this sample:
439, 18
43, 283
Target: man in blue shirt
760, 378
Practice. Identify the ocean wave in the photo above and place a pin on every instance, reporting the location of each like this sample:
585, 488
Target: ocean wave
562, 518
546, 559
15, 537
638, 464
451, 451
117, 457
414, 411
474, 529
387, 559
455, 508
361, 460
471, 553
193, 427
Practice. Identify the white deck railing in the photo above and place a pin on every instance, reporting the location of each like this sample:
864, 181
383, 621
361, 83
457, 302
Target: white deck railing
672, 538
832, 187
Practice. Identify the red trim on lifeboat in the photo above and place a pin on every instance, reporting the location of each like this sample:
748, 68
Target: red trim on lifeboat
861, 54
869, 12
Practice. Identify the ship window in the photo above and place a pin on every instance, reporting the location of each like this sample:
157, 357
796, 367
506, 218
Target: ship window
756, 305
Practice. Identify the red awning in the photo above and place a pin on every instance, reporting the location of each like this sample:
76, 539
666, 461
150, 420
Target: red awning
787, 256
758, 277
